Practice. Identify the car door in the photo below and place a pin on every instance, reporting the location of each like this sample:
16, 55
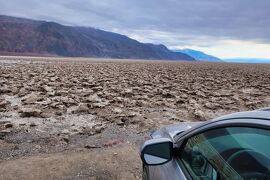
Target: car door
227, 153
170, 170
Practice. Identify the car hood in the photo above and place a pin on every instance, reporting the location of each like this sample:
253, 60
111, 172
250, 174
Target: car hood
171, 130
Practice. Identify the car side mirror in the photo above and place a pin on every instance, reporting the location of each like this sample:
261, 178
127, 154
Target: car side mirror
157, 151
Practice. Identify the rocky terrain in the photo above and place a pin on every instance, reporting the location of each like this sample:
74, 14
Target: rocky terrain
85, 118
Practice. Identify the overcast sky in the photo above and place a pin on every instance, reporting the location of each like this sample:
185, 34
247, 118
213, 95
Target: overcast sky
225, 28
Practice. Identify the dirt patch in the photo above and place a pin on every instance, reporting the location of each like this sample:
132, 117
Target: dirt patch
109, 163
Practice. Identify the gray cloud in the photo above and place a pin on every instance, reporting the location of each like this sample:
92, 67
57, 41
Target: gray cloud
172, 22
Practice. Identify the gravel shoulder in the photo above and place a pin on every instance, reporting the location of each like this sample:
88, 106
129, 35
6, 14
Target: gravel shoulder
110, 163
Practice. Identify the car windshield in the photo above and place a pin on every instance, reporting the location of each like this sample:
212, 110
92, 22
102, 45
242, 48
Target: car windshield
229, 153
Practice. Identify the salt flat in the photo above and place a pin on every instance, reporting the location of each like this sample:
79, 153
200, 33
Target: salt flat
57, 107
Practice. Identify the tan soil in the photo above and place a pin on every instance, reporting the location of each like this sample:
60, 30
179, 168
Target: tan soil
114, 163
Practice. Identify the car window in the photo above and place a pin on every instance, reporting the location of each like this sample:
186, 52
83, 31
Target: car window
228, 153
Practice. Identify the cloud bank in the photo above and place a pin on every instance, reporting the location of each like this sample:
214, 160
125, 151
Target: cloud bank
175, 23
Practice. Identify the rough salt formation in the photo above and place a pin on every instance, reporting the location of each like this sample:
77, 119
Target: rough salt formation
137, 91
60, 105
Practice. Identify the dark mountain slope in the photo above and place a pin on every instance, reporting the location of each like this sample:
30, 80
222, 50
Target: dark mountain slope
23, 36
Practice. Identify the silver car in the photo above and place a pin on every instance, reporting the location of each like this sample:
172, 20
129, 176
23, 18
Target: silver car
235, 146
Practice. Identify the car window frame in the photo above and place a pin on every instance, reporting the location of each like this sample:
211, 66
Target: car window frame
184, 168
181, 163
224, 123
183, 141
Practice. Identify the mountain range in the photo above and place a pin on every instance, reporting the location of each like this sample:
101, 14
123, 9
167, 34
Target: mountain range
248, 60
198, 55
19, 36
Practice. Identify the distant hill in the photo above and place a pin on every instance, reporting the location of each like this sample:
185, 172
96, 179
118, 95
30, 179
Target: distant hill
199, 56
248, 60
28, 37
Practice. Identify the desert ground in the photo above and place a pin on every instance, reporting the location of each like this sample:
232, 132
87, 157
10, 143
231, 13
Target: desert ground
74, 118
